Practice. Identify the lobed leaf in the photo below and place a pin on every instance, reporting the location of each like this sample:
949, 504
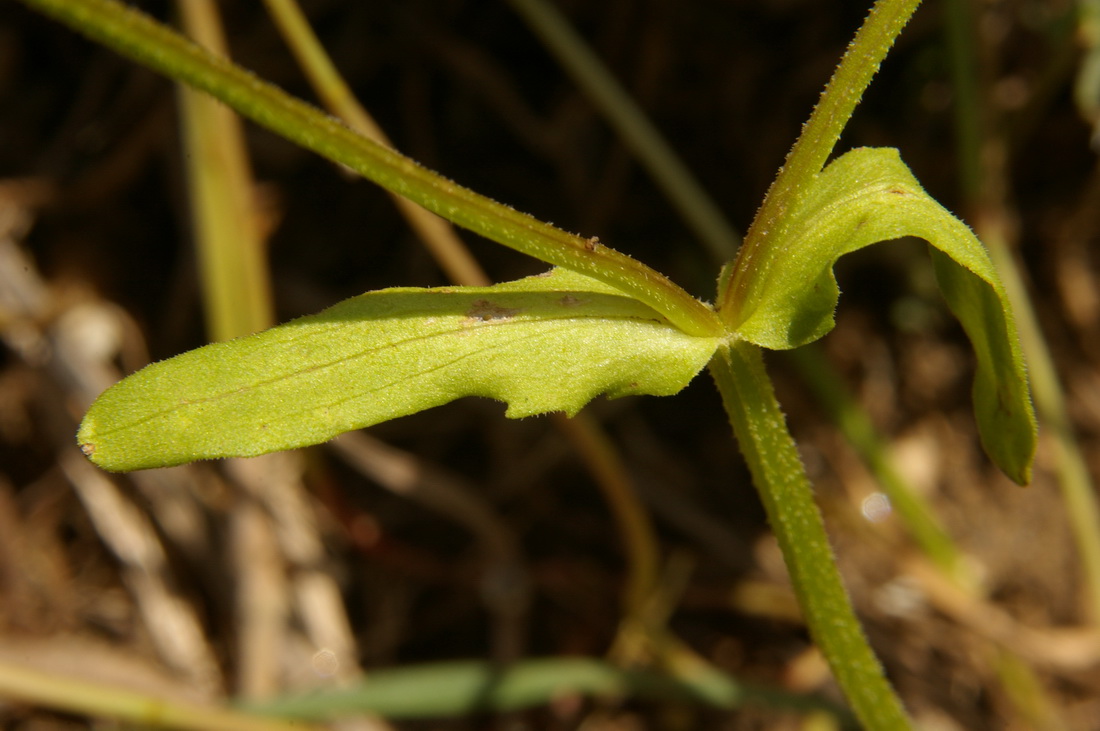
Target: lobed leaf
866, 196
546, 343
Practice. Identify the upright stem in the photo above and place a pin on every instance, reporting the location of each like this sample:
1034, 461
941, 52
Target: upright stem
637, 132
777, 471
819, 137
237, 293
436, 234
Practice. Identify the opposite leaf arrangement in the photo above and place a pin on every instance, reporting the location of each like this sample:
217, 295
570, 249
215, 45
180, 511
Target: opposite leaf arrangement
598, 323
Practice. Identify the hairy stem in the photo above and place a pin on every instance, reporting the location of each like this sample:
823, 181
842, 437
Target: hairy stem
787, 495
813, 147
237, 292
142, 39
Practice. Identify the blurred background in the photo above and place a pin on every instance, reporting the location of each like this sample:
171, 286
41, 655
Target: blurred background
458, 534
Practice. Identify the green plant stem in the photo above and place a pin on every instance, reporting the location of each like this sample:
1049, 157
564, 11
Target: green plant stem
918, 517
464, 687
1078, 491
142, 39
962, 47
787, 495
813, 147
1086, 89
234, 274
637, 132
1022, 684
436, 234
631, 518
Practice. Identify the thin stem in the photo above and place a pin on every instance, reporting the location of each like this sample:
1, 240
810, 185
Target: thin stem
808, 155
787, 495
1078, 490
142, 39
915, 512
438, 235
464, 687
637, 132
632, 520
235, 283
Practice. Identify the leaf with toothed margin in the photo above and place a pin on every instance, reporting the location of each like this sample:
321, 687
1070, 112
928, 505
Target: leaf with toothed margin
546, 343
787, 296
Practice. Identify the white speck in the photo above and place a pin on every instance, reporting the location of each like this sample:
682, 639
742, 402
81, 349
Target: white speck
876, 507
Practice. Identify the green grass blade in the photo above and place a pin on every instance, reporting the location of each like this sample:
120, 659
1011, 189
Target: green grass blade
915, 512
464, 687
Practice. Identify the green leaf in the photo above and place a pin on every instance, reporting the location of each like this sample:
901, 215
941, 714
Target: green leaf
461, 687
866, 196
546, 343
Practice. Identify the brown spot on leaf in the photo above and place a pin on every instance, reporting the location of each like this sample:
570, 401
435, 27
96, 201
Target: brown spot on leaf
569, 301
485, 310
88, 449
